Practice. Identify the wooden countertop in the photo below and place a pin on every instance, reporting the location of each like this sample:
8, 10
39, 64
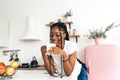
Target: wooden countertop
37, 68
42, 67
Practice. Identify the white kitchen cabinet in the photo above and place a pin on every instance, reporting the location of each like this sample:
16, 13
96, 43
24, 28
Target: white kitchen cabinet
4, 32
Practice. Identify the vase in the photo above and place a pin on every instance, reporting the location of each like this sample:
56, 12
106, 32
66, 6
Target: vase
69, 19
98, 41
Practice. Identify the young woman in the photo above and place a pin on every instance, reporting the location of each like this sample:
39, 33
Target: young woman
65, 49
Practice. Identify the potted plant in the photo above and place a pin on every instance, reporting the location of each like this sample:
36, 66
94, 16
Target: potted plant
100, 34
68, 15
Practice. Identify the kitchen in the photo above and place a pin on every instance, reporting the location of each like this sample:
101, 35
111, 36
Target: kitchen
86, 15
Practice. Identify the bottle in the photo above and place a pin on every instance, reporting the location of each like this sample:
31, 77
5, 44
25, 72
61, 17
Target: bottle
74, 32
69, 32
34, 62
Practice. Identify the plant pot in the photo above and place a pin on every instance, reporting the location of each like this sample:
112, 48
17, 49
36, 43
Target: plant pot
69, 19
98, 41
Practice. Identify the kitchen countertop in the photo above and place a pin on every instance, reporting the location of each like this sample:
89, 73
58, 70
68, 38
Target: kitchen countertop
36, 68
35, 75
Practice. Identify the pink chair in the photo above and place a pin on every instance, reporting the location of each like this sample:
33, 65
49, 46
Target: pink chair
103, 62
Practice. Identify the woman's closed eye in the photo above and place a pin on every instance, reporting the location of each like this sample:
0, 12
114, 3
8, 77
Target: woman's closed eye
56, 34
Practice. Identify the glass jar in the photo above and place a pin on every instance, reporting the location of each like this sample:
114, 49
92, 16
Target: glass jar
74, 32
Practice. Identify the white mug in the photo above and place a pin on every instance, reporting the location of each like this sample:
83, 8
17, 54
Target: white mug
49, 46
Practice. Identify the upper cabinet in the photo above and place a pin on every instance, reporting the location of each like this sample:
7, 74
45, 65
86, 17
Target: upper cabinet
4, 32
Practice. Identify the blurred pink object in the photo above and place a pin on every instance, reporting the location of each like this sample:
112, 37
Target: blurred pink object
98, 41
103, 62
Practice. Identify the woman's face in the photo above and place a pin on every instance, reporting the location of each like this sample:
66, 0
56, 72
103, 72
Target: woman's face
55, 36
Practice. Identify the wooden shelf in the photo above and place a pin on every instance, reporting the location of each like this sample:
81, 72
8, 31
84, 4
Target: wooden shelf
75, 36
53, 23
68, 22
36, 68
48, 25
72, 36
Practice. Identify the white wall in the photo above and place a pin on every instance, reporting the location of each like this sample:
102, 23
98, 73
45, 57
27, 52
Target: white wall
87, 14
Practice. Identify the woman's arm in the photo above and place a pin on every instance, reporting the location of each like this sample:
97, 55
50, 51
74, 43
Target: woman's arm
69, 63
48, 61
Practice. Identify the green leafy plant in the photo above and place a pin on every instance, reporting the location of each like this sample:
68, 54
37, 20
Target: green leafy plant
101, 33
68, 13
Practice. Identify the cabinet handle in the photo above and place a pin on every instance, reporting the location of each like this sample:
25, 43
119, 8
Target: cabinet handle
89, 67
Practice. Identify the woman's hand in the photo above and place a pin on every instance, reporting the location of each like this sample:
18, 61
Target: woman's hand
48, 61
43, 49
56, 50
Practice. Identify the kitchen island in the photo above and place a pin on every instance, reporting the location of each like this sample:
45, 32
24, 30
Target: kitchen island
35, 75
